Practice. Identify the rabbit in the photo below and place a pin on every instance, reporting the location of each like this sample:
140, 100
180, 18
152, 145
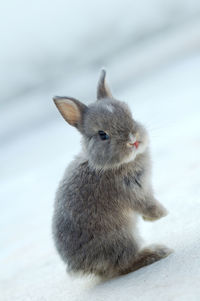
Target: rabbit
104, 190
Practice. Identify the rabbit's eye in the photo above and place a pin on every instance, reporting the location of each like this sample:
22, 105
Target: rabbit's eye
103, 135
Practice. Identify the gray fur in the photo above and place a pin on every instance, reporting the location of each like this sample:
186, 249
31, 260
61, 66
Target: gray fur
103, 191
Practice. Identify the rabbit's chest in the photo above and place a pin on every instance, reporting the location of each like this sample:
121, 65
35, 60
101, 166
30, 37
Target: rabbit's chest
133, 181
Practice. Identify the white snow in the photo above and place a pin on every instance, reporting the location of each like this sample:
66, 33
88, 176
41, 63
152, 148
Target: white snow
37, 145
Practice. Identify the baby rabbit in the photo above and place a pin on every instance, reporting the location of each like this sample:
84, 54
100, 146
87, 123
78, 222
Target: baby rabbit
104, 189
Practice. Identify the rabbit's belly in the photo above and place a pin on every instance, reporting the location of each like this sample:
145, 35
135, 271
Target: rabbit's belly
115, 224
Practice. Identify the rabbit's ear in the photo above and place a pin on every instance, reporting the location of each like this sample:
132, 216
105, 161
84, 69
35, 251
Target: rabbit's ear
71, 110
102, 88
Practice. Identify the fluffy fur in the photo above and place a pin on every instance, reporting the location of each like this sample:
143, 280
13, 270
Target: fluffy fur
104, 189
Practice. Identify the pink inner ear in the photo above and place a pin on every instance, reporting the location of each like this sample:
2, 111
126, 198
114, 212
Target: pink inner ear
69, 110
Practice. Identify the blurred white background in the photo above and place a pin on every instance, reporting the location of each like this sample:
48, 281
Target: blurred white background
151, 50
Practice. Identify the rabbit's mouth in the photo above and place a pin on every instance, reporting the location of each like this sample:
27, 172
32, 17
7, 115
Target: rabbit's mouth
135, 148
135, 144
133, 141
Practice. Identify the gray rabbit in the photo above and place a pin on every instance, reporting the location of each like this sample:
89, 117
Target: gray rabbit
104, 189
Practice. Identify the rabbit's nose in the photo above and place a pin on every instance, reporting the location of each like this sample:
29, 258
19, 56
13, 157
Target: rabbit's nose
133, 141
136, 144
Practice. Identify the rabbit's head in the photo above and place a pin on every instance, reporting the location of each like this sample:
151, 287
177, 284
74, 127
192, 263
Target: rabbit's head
111, 136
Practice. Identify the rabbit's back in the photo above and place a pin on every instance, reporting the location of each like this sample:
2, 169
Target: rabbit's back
89, 215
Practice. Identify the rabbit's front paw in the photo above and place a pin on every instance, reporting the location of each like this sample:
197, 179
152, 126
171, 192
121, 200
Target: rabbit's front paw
154, 213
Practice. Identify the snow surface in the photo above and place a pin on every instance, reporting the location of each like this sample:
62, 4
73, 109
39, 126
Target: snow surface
161, 85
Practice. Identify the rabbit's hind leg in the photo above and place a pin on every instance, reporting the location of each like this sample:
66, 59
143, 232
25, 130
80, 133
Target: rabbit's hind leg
117, 255
126, 262
146, 257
